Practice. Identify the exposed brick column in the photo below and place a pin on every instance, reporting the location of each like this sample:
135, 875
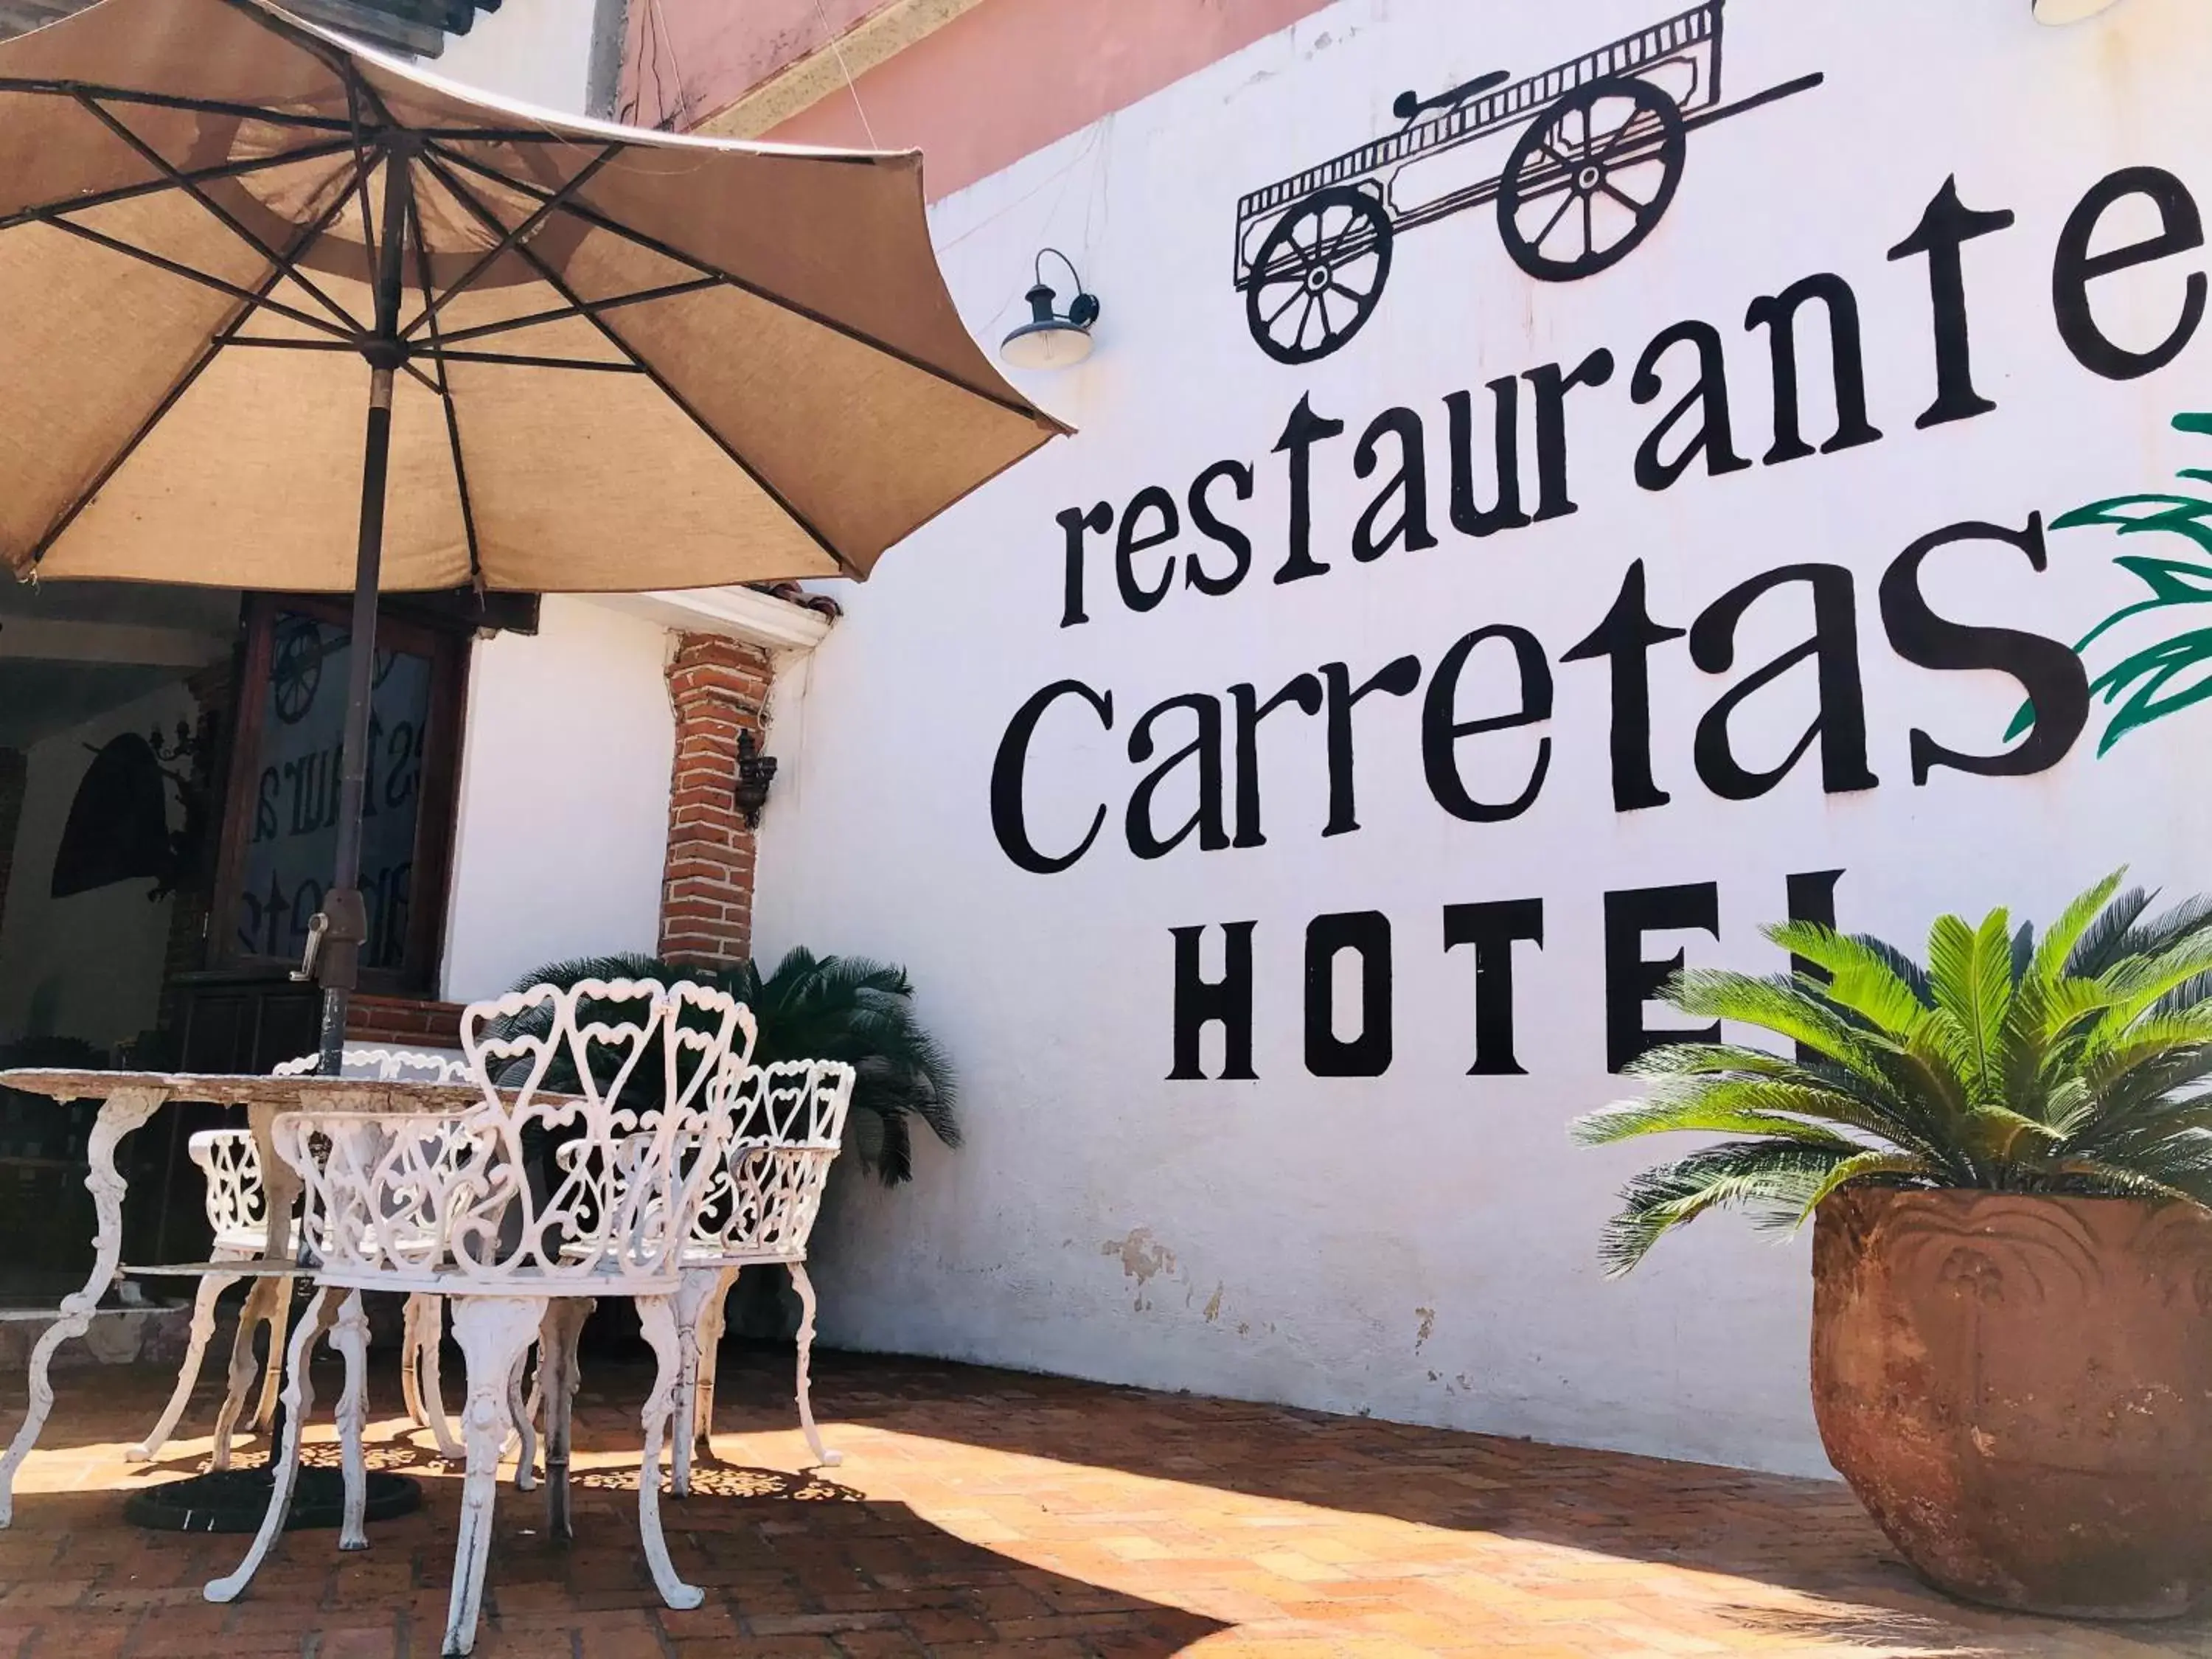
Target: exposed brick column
719, 688
14, 769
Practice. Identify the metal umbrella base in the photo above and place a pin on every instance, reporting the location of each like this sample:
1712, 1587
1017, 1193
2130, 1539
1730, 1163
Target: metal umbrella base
234, 1500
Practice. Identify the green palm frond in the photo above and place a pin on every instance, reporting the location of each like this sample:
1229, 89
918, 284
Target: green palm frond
2076, 1060
2175, 672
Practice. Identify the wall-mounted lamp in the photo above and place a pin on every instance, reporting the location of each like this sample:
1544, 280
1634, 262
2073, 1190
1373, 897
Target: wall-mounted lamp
756, 771
2070, 11
1053, 339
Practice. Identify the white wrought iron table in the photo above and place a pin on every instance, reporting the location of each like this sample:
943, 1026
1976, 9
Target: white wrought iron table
128, 1100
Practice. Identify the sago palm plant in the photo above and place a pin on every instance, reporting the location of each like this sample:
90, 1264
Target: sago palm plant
2074, 1063
813, 1007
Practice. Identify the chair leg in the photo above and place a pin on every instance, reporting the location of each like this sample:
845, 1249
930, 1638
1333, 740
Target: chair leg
557, 1377
212, 1285
522, 1415
261, 1302
805, 1286
349, 1336
434, 1384
298, 1400
493, 1332
657, 1317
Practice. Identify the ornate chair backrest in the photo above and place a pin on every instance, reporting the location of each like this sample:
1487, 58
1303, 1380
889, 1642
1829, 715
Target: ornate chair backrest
786, 1124
236, 1200
567, 1168
236, 1203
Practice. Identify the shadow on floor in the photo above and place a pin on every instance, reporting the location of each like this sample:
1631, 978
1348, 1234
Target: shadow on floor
788, 1561
1807, 1536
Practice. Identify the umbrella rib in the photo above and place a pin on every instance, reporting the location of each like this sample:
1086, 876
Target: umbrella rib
228, 339
654, 245
183, 384
255, 299
158, 100
441, 356
154, 187
562, 313
468, 199
543, 211
446, 395
228, 221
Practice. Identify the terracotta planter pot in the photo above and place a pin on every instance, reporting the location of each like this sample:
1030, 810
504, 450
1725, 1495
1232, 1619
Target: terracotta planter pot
2020, 1389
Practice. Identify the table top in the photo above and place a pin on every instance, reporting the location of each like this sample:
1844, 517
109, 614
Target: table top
311, 1094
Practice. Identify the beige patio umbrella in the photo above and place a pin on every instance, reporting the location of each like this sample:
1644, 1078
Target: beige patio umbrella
278, 313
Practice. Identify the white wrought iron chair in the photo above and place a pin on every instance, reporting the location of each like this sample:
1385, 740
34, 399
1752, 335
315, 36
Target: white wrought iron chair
237, 1212
787, 1122
464, 1206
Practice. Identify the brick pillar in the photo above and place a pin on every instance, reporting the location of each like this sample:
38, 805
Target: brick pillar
719, 688
13, 770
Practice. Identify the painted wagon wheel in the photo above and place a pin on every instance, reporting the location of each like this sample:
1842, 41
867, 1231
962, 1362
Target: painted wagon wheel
1318, 274
296, 672
1590, 178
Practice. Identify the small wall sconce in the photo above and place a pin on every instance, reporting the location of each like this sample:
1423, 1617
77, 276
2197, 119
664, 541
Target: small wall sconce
755, 772
2070, 11
1053, 339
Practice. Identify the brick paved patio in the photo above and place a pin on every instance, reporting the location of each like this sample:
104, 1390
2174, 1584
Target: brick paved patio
982, 1513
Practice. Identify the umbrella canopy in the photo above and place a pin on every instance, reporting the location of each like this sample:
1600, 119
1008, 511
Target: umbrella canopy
619, 360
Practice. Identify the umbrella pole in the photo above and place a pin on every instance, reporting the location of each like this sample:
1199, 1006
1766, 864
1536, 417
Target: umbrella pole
341, 928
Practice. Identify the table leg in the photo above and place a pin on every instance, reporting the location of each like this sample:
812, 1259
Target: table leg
119, 1115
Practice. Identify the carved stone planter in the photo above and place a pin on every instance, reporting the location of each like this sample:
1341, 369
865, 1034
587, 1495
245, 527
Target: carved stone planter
2020, 1389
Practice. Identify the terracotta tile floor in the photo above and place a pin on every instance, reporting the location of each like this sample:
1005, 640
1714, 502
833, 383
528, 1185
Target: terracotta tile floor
982, 1513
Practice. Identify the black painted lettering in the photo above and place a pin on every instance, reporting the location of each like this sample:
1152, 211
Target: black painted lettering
1624, 638
1812, 898
1493, 929
1136, 537
1442, 729
1076, 523
1631, 979
1707, 399
1213, 527
1778, 315
1947, 226
1300, 434
1408, 488
1505, 458
1304, 691
1205, 750
1398, 680
1368, 933
1201, 1002
1009, 822
2057, 685
1551, 388
1840, 725
2181, 230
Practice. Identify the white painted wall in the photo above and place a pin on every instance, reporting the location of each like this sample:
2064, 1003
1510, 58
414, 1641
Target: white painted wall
537, 51
90, 963
1422, 1245
563, 822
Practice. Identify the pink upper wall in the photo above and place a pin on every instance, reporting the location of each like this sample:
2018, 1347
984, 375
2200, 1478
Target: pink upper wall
997, 82
717, 49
